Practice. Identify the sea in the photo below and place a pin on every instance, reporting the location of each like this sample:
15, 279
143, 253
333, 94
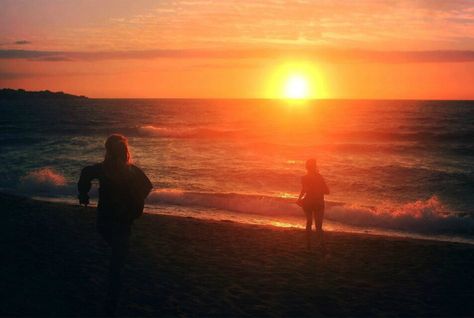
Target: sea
394, 167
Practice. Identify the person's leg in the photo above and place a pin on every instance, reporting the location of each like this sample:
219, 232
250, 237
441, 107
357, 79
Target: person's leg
309, 222
119, 244
318, 221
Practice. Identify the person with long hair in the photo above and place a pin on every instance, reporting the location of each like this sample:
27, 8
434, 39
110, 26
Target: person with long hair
122, 192
311, 199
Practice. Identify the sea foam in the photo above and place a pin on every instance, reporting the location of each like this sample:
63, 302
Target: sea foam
46, 181
429, 216
42, 180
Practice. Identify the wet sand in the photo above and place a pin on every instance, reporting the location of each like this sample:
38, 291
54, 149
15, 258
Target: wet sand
55, 264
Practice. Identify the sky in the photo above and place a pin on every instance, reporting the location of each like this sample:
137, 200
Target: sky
417, 49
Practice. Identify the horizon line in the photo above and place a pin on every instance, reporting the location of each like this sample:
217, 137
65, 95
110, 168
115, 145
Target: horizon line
288, 99
251, 98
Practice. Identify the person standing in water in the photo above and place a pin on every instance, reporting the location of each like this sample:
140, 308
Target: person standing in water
311, 199
122, 193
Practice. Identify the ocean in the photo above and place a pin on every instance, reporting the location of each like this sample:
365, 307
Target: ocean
394, 167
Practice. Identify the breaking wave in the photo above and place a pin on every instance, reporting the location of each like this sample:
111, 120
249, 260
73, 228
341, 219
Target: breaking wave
429, 216
45, 181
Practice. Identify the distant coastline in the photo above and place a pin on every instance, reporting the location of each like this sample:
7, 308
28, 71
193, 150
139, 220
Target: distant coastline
18, 94
15, 94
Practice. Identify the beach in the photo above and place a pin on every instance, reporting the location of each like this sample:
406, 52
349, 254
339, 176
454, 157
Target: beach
55, 264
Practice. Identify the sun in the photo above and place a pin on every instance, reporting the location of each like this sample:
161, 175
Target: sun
296, 87
296, 80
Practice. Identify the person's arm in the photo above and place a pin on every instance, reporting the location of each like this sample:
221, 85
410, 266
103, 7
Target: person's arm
325, 186
84, 185
302, 192
144, 184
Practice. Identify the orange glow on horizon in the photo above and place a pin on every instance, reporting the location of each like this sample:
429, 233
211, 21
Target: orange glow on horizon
184, 49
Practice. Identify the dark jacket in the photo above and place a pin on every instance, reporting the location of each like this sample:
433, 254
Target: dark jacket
118, 197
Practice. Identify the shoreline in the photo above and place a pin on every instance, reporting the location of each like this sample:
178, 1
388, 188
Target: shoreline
56, 265
346, 229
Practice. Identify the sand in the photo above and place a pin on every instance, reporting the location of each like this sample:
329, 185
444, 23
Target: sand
55, 264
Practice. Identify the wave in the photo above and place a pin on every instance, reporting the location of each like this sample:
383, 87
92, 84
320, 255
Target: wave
44, 181
462, 136
180, 132
19, 140
244, 203
429, 216
348, 141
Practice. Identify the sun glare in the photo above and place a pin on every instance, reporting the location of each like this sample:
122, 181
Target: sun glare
296, 81
296, 87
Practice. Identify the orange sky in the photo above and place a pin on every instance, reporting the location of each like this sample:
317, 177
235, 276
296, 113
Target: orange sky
201, 48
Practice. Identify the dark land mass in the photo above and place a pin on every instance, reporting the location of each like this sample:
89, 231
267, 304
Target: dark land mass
55, 264
21, 94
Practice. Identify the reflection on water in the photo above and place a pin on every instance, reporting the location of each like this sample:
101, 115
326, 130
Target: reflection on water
409, 159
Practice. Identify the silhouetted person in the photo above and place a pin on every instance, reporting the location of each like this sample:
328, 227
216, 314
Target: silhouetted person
122, 192
311, 199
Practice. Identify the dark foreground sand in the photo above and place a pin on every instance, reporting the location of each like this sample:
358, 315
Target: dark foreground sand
54, 264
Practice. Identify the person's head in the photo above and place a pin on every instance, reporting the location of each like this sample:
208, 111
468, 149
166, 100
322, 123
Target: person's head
116, 151
311, 165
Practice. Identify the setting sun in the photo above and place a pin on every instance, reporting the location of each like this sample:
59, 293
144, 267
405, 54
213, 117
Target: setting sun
297, 80
296, 87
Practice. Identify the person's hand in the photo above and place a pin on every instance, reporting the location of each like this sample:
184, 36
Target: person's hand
83, 200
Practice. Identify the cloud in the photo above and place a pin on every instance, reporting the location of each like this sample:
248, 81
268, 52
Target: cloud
13, 75
22, 42
25, 54
368, 24
322, 55
53, 59
437, 56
